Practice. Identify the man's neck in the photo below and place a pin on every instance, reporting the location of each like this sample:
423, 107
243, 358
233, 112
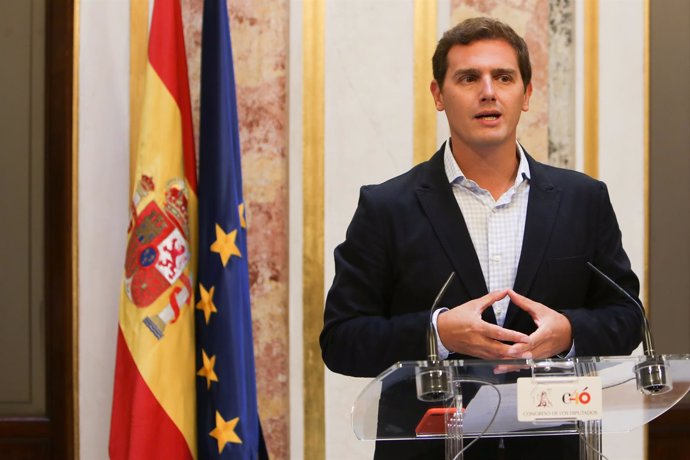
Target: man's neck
492, 168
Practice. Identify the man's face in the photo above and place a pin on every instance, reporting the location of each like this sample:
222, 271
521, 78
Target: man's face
483, 94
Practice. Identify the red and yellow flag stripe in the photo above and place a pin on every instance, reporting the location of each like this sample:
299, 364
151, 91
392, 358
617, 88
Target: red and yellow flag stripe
154, 406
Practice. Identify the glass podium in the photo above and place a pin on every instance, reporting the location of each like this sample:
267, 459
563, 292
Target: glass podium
464, 400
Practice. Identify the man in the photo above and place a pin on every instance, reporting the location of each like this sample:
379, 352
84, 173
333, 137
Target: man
517, 233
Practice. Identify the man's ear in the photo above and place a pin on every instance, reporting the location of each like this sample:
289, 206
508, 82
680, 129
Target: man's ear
438, 96
528, 94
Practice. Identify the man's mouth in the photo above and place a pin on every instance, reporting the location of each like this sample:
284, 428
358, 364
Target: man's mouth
489, 116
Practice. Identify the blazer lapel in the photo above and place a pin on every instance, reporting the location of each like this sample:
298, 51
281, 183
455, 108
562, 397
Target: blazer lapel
441, 208
542, 209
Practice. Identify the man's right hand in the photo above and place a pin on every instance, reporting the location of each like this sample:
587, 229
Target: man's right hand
462, 330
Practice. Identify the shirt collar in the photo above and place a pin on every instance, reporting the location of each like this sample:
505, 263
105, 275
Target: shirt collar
455, 174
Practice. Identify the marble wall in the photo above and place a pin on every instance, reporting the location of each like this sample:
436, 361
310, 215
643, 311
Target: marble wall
547, 130
259, 30
561, 136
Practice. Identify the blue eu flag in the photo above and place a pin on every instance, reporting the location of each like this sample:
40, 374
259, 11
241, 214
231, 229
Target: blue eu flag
227, 415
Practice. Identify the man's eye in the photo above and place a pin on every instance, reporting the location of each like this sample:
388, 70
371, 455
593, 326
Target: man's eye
505, 78
467, 78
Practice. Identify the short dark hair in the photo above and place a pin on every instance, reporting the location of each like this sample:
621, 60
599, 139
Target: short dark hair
474, 29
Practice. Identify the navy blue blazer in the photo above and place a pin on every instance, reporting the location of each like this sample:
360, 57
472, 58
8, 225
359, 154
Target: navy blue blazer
408, 234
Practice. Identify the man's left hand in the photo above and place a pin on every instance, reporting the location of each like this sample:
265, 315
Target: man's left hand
554, 334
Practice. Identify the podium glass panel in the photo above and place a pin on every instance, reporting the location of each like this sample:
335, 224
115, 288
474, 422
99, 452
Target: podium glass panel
479, 398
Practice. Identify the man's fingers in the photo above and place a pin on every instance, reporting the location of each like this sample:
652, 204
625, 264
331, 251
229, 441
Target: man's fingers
520, 351
492, 350
505, 335
524, 303
519, 300
489, 299
539, 347
505, 368
462, 330
481, 343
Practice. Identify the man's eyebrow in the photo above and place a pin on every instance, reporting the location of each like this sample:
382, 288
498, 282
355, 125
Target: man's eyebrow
466, 71
502, 71
473, 71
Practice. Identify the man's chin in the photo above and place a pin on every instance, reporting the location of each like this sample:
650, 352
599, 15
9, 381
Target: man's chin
495, 140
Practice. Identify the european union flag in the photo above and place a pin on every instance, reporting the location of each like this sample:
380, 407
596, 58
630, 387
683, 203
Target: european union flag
227, 415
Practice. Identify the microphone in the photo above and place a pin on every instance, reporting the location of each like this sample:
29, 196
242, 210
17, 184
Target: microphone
431, 345
650, 374
433, 383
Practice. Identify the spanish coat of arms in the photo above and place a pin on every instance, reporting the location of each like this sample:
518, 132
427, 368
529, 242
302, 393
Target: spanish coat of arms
158, 251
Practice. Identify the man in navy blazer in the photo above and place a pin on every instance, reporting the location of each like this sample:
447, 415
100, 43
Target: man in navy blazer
409, 233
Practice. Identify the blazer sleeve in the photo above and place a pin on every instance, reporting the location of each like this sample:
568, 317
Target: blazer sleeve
363, 333
609, 324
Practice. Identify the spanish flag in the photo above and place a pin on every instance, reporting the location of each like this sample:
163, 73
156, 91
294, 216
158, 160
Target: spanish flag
154, 403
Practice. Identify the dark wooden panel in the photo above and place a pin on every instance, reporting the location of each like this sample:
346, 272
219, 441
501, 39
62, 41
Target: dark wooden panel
669, 435
669, 187
59, 245
17, 162
25, 427
669, 175
25, 438
25, 449
52, 437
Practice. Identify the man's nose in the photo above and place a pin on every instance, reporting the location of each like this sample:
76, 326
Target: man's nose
487, 90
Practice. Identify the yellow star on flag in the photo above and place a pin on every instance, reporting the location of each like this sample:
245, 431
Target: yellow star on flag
206, 303
243, 217
207, 369
225, 245
224, 432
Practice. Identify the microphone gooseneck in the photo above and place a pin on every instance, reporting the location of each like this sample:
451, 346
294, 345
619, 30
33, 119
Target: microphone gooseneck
651, 372
432, 381
647, 344
431, 346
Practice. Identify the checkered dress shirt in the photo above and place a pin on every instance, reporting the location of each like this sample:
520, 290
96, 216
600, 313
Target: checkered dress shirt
495, 226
